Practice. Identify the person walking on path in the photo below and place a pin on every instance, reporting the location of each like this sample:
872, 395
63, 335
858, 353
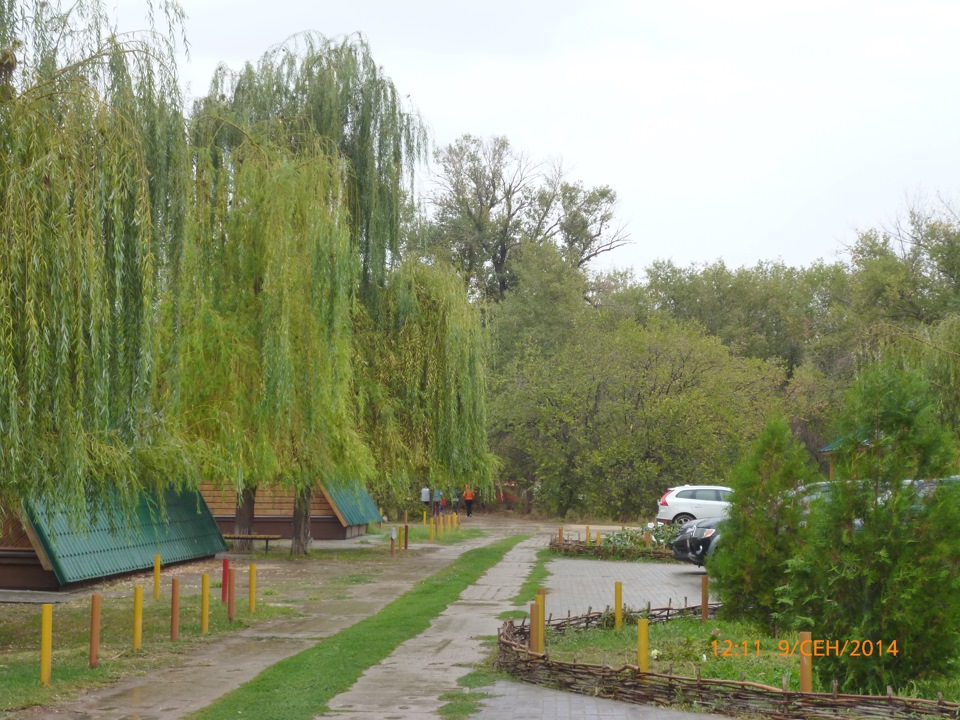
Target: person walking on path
425, 497
468, 496
437, 498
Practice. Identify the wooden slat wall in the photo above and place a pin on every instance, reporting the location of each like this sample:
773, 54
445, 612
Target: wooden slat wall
12, 534
270, 502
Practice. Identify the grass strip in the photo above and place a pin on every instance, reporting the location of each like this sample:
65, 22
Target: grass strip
301, 685
538, 573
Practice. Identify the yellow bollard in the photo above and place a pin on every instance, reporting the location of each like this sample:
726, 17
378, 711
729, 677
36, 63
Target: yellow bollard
643, 645
253, 588
533, 642
431, 529
156, 577
806, 663
598, 538
46, 644
617, 605
424, 518
137, 618
560, 535
204, 603
588, 535
541, 619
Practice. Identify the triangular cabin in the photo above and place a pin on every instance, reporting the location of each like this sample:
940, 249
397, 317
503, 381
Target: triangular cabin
336, 513
39, 550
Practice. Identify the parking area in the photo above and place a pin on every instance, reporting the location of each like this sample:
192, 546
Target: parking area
575, 586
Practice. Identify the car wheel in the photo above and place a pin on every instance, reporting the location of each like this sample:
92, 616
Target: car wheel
682, 518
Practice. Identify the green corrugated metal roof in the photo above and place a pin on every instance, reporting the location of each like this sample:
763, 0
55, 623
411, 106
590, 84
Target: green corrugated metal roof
353, 503
117, 543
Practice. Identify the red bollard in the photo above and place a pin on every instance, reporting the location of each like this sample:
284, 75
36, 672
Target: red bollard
226, 580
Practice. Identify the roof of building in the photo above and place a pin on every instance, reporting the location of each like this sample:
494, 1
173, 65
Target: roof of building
352, 504
179, 527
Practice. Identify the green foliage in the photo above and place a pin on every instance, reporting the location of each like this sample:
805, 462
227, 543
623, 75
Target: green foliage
597, 413
266, 353
632, 540
86, 211
422, 388
881, 563
311, 87
764, 527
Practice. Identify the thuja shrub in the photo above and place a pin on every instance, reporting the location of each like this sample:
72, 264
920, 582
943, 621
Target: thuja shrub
763, 527
880, 566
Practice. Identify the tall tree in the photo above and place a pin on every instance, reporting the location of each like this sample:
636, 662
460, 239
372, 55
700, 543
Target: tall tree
423, 403
85, 217
490, 199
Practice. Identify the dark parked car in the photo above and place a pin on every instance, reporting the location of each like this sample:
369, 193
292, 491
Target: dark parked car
696, 540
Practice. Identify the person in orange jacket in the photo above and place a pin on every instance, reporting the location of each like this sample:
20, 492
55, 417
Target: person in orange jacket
468, 496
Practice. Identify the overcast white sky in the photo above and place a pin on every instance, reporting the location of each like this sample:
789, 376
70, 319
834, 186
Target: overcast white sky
739, 130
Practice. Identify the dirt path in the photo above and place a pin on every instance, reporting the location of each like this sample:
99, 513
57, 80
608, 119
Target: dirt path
327, 605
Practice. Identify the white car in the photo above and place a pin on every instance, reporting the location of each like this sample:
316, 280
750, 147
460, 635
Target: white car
693, 502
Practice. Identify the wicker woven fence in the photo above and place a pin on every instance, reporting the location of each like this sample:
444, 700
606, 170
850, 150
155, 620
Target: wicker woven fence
727, 697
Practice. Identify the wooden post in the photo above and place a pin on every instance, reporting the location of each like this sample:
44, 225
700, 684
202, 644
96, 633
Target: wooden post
598, 538
424, 518
431, 529
253, 588
406, 537
393, 540
95, 630
137, 618
46, 644
617, 605
534, 642
647, 539
225, 581
175, 610
560, 536
231, 592
588, 536
704, 597
156, 577
541, 619
643, 645
204, 603
806, 663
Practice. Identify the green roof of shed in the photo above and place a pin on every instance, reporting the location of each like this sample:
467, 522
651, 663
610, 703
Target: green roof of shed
353, 504
118, 543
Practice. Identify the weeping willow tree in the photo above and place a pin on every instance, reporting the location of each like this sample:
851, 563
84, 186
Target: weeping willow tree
266, 345
423, 405
311, 86
87, 213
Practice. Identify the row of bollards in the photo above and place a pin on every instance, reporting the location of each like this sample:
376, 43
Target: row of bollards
227, 596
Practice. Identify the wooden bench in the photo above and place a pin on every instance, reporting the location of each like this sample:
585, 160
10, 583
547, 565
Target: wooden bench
240, 536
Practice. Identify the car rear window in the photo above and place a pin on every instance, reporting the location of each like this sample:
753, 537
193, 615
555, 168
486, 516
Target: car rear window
685, 494
707, 494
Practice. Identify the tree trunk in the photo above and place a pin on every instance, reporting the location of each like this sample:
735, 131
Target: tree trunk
301, 522
243, 517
